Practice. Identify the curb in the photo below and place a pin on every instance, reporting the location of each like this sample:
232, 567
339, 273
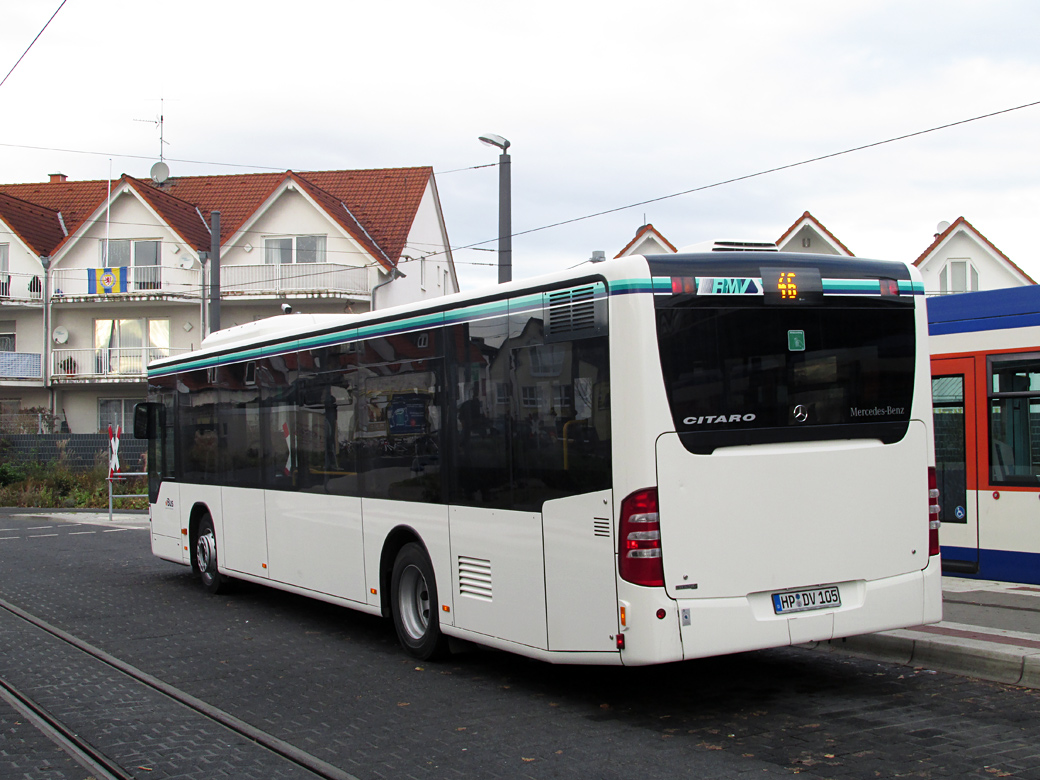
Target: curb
998, 659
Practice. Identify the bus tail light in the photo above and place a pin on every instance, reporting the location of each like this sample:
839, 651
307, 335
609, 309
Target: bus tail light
639, 549
933, 512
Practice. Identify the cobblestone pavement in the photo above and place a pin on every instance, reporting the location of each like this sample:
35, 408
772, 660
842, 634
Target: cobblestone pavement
334, 683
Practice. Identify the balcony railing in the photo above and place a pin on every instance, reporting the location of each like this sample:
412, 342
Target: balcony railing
294, 279
275, 280
21, 365
125, 362
21, 287
134, 280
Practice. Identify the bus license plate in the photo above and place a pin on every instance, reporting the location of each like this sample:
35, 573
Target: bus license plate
804, 600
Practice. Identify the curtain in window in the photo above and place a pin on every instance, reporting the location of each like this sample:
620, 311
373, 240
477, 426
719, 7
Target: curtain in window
118, 253
120, 345
277, 251
158, 339
310, 249
103, 335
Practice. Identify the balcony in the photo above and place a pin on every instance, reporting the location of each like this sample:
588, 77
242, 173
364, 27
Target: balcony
21, 288
133, 282
126, 364
21, 365
289, 280
295, 280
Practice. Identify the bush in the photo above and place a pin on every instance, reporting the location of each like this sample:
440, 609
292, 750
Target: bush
10, 472
52, 485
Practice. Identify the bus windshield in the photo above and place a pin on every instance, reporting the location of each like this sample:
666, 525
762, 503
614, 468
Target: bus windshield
744, 369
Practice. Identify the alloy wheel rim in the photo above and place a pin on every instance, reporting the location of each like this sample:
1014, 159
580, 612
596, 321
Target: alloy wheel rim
415, 602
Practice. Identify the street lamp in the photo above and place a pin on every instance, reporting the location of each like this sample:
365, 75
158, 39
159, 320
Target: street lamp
505, 220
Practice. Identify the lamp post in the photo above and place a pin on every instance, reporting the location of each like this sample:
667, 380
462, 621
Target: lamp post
505, 220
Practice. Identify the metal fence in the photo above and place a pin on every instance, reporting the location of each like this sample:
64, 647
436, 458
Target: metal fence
32, 421
76, 451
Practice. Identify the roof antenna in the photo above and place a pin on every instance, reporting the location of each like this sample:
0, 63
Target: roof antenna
160, 172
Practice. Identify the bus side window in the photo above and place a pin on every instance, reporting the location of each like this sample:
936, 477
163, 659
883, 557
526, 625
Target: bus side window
326, 433
399, 417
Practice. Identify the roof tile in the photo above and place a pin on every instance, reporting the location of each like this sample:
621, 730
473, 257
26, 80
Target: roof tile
381, 203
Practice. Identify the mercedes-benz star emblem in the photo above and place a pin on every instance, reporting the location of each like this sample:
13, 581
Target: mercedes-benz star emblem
801, 414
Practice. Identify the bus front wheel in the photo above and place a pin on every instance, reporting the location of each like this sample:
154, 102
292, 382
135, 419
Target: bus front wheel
413, 598
206, 557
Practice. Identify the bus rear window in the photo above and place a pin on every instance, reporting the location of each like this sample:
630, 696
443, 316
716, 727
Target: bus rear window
748, 372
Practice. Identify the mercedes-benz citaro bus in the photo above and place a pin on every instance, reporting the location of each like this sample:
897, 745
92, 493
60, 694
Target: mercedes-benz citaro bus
635, 461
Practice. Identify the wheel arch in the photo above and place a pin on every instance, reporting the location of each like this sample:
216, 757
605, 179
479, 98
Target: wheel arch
198, 511
395, 540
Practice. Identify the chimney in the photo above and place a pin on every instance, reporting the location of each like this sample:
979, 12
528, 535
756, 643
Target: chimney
58, 177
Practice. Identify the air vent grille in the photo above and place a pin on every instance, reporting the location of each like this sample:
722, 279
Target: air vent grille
575, 313
475, 578
742, 246
600, 527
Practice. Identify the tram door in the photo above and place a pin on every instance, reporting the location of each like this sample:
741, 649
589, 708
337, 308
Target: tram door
956, 462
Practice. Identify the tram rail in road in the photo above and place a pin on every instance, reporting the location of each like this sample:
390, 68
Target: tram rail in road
104, 767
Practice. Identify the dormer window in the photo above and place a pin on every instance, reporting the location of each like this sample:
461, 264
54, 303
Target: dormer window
958, 276
294, 249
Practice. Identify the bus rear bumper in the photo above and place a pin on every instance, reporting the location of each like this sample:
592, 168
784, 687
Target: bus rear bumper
733, 625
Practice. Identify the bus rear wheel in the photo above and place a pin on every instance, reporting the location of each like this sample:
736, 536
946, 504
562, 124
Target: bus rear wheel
413, 602
206, 557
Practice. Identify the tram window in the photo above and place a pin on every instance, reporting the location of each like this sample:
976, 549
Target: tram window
1014, 420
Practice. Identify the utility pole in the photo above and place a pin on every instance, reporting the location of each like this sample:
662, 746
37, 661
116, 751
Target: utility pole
505, 207
214, 272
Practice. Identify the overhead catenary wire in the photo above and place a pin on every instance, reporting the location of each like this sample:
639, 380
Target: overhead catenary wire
248, 166
658, 199
31, 44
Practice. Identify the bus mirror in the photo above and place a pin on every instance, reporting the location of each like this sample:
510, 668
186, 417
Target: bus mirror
143, 426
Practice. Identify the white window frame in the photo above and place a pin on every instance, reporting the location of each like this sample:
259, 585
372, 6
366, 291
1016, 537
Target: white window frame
971, 276
126, 420
321, 251
5, 270
103, 256
8, 336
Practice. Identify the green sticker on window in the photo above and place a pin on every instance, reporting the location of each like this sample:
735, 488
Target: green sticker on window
796, 340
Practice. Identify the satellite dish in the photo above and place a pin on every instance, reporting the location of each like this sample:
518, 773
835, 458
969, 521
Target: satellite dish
185, 263
942, 227
60, 334
160, 172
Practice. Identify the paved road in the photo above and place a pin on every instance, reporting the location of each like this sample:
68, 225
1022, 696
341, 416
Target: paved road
334, 684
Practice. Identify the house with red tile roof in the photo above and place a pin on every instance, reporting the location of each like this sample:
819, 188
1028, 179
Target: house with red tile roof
97, 278
961, 259
809, 235
647, 241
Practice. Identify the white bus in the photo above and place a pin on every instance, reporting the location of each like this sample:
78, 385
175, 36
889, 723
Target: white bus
637, 461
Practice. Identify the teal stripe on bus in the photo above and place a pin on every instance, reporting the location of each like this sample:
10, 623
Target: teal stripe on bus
529, 302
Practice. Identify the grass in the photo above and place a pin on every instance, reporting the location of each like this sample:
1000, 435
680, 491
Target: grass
54, 486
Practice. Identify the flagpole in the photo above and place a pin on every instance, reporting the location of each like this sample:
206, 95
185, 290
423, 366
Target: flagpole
108, 214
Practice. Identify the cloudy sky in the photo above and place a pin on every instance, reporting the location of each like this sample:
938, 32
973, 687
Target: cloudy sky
606, 104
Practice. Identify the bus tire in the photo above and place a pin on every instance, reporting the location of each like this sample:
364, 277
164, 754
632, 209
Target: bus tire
413, 603
206, 557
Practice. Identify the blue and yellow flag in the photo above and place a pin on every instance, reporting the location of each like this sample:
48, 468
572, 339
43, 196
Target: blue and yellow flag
107, 280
